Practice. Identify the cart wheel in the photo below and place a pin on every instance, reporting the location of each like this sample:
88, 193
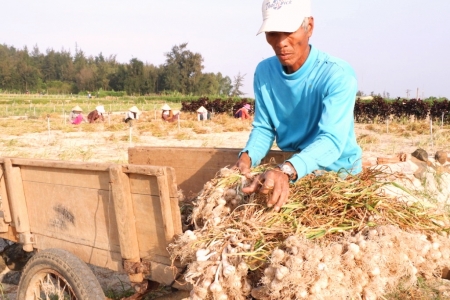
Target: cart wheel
58, 274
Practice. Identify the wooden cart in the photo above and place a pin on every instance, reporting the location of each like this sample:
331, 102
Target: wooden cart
120, 217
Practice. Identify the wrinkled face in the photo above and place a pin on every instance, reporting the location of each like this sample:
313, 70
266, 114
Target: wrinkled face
291, 48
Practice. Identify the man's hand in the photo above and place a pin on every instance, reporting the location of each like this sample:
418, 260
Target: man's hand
243, 164
272, 182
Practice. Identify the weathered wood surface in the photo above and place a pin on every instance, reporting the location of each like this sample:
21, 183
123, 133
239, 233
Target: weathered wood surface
99, 257
16, 196
81, 178
126, 222
57, 164
101, 214
194, 166
4, 203
84, 216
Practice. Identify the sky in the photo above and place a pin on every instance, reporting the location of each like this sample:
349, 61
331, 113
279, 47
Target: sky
400, 47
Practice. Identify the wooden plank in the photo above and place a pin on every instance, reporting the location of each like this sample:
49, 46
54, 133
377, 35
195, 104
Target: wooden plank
10, 235
92, 179
149, 226
144, 170
166, 208
144, 185
80, 215
99, 257
148, 185
59, 164
194, 166
4, 201
123, 207
174, 201
15, 189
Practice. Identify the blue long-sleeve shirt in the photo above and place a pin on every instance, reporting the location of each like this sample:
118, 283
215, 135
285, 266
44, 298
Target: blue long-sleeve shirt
310, 110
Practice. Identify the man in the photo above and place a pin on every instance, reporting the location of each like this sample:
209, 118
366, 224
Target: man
304, 100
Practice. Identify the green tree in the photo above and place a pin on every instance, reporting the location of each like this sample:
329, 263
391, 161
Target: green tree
151, 79
207, 85
27, 76
225, 85
105, 67
135, 77
182, 70
117, 79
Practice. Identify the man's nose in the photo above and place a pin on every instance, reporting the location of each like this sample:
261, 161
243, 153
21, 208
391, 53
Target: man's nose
280, 40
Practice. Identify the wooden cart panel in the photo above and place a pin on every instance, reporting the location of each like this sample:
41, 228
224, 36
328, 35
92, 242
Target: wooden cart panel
194, 166
103, 213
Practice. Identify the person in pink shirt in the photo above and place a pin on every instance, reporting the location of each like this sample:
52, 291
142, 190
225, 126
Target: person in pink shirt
243, 112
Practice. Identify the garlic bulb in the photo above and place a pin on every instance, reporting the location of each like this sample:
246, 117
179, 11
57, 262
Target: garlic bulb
277, 256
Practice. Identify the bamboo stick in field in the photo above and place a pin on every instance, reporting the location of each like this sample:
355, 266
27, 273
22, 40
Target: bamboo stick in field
48, 126
131, 130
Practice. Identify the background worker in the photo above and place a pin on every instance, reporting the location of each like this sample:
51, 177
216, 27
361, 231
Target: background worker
304, 100
168, 115
96, 114
76, 116
243, 112
132, 114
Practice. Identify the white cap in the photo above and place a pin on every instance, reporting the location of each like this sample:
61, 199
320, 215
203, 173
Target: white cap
166, 107
284, 15
100, 109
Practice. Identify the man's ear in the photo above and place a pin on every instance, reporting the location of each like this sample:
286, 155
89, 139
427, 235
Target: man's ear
310, 26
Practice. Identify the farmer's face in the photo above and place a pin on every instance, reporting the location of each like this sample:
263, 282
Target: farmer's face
291, 48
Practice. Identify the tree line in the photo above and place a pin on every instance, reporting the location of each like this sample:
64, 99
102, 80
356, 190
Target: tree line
60, 72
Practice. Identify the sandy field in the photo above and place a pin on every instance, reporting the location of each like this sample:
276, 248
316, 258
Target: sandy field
106, 143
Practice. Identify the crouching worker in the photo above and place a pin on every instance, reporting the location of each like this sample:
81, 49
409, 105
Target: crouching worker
243, 112
168, 115
76, 116
304, 101
203, 114
132, 114
97, 114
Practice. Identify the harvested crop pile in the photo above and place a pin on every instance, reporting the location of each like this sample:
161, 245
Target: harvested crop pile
339, 237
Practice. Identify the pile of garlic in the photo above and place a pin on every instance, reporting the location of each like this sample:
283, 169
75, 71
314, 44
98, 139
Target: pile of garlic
367, 265
363, 265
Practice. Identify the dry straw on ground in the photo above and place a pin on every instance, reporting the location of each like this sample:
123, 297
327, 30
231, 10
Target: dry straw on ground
339, 237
